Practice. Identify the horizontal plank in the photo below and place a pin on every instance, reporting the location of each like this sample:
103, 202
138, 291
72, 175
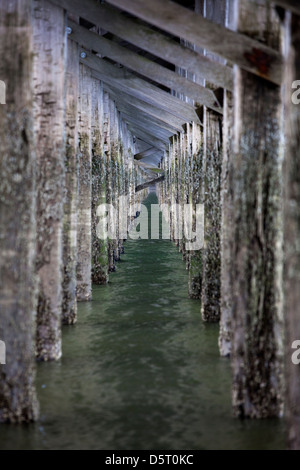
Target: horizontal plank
239, 49
146, 153
150, 41
149, 126
146, 185
141, 146
132, 111
123, 79
146, 108
151, 130
148, 138
149, 166
150, 169
292, 5
144, 66
146, 120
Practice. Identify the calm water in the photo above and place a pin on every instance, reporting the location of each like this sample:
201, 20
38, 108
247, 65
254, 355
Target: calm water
140, 370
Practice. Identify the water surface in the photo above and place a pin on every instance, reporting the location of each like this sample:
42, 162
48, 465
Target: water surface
140, 370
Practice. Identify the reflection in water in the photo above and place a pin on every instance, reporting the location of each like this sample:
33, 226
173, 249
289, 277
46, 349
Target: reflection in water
140, 370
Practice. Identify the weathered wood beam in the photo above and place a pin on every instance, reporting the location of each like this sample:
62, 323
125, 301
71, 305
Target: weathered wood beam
134, 112
151, 130
160, 132
292, 234
292, 5
128, 82
151, 41
99, 246
240, 49
149, 109
226, 228
18, 400
146, 185
69, 303
146, 137
49, 107
256, 237
212, 163
84, 235
147, 153
148, 125
144, 66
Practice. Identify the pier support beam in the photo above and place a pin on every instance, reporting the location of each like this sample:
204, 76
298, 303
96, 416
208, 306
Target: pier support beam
197, 181
49, 105
292, 233
257, 322
226, 229
211, 281
18, 401
84, 240
215, 11
99, 247
227, 215
69, 306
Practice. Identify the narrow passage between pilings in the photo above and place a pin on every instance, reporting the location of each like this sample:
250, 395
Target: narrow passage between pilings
140, 370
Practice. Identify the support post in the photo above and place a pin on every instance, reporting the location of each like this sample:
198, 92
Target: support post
49, 105
18, 401
99, 247
257, 321
84, 240
292, 232
69, 306
226, 229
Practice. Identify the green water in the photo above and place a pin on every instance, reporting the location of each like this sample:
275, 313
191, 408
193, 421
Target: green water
140, 370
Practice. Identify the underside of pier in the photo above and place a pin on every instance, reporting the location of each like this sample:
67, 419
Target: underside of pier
200, 99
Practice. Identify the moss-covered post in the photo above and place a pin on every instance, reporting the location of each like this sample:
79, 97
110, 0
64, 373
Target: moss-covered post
195, 263
99, 247
172, 185
292, 232
18, 401
257, 233
114, 142
49, 106
109, 173
214, 10
211, 281
84, 232
189, 187
181, 187
123, 209
226, 208
177, 217
226, 228
69, 305
131, 181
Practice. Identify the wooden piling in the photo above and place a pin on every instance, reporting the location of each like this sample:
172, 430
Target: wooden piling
18, 401
84, 266
49, 109
69, 305
226, 230
292, 231
257, 321
99, 247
